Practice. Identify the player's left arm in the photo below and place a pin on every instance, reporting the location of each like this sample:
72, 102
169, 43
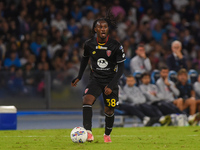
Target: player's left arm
109, 87
120, 58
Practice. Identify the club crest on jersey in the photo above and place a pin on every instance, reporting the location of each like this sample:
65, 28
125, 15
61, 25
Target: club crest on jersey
108, 52
101, 47
86, 90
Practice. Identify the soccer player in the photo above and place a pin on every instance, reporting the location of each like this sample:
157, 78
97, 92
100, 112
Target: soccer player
105, 55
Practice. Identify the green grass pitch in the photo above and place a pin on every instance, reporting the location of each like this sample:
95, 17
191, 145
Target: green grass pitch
144, 138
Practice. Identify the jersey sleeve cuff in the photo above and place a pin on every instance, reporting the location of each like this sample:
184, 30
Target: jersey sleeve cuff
121, 61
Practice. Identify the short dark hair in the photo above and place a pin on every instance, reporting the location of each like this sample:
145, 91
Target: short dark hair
145, 74
130, 76
140, 45
164, 68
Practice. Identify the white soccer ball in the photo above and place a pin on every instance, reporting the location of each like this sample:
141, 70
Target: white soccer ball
79, 135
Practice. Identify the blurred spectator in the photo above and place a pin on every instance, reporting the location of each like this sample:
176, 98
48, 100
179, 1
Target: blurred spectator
15, 82
88, 20
140, 62
155, 98
167, 89
43, 56
13, 60
196, 61
73, 27
25, 56
2, 49
157, 32
186, 91
36, 45
28, 75
76, 13
59, 22
116, 9
53, 47
23, 26
176, 60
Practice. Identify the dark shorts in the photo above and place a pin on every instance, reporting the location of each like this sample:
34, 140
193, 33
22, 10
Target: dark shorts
95, 88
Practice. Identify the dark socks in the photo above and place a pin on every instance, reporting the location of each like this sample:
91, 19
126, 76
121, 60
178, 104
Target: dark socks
109, 120
87, 117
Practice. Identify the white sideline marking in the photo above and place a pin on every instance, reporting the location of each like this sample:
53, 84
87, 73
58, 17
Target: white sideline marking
35, 136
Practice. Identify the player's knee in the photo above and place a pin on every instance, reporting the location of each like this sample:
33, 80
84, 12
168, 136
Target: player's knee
88, 100
109, 111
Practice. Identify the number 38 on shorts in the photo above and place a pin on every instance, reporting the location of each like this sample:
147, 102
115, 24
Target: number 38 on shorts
111, 102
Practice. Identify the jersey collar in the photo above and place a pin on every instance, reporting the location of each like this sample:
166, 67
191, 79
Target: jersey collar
102, 43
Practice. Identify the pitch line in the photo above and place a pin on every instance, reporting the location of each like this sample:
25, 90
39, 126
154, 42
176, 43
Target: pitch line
36, 136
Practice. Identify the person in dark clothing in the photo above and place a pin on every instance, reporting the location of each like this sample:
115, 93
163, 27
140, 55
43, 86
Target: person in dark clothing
176, 60
105, 55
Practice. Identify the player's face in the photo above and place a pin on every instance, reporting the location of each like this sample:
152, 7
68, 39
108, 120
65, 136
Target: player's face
146, 80
130, 81
101, 29
164, 73
182, 78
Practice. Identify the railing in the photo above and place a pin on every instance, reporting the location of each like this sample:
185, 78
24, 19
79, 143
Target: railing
41, 90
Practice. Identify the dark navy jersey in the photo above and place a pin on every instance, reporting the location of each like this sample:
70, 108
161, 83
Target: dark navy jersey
104, 58
185, 90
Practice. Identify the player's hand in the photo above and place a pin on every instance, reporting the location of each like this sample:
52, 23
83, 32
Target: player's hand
74, 82
107, 91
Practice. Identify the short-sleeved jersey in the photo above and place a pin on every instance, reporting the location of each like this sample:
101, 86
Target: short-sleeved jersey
104, 58
185, 90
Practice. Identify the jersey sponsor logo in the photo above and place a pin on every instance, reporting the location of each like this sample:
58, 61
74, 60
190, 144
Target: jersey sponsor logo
102, 63
86, 90
101, 47
94, 52
108, 52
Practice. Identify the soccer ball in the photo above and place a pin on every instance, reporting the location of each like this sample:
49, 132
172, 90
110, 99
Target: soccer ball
79, 135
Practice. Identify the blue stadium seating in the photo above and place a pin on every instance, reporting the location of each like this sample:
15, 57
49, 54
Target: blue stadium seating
155, 75
172, 76
192, 76
137, 76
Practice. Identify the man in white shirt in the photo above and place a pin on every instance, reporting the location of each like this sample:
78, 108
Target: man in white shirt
140, 62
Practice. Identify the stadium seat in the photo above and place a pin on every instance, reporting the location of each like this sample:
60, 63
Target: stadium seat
172, 76
137, 76
192, 76
122, 81
155, 75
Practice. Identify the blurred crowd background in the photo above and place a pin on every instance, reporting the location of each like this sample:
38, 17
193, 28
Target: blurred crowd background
37, 36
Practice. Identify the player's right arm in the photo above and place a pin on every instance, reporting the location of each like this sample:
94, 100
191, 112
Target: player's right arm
84, 62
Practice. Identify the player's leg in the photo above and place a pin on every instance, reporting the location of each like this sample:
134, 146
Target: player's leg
110, 103
109, 119
92, 91
88, 100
